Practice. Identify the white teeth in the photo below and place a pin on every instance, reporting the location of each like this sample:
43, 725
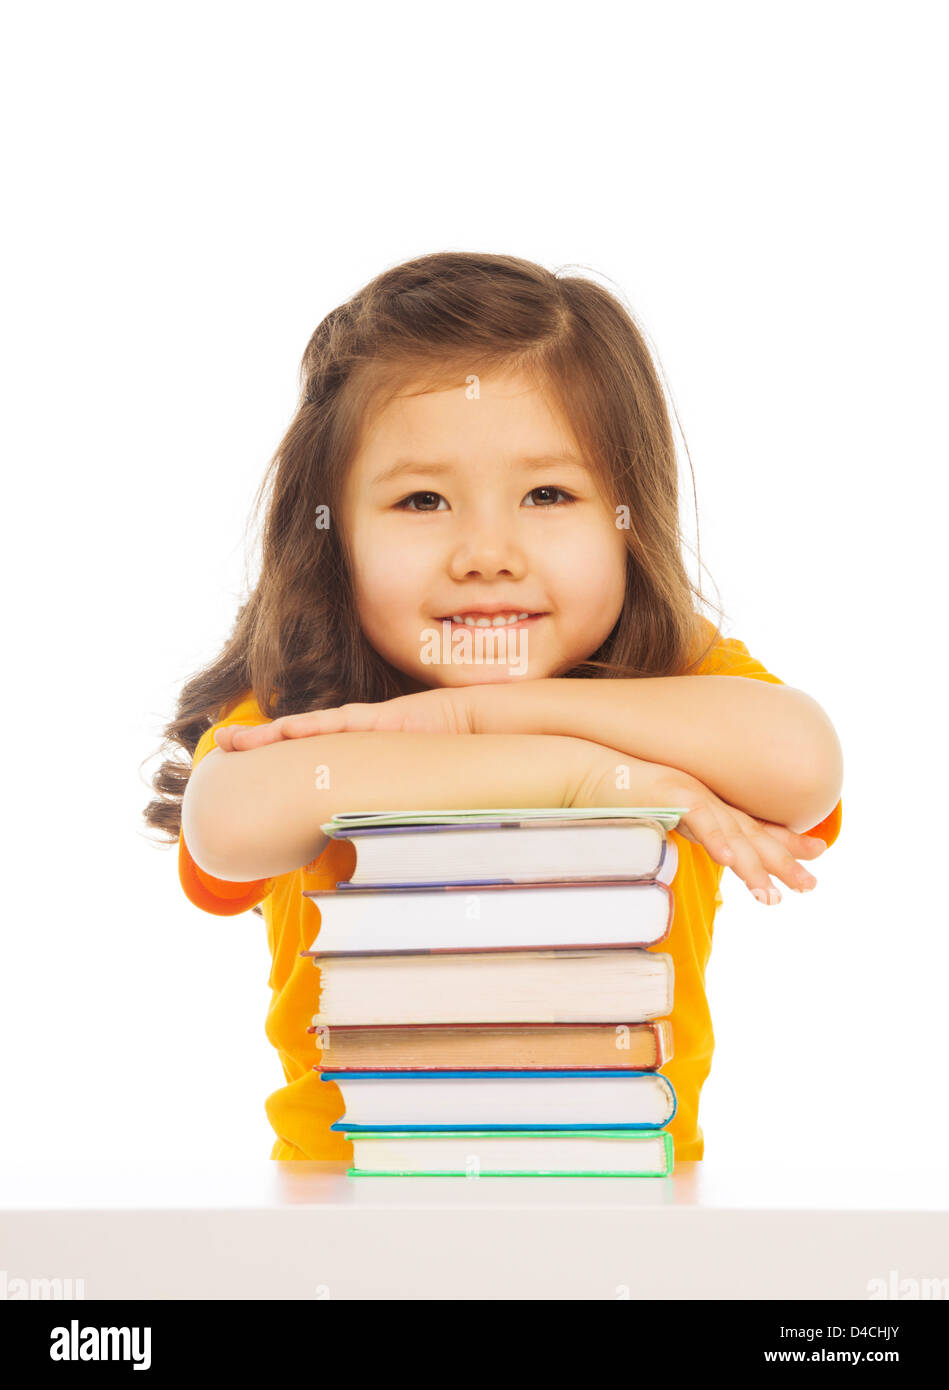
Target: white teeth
499, 620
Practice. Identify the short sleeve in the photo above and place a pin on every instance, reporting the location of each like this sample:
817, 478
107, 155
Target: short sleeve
218, 895
730, 657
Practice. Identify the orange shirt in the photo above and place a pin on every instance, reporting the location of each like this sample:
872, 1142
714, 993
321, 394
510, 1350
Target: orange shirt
302, 1110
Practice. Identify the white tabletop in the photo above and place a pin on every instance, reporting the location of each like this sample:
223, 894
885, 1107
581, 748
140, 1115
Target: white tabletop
267, 1229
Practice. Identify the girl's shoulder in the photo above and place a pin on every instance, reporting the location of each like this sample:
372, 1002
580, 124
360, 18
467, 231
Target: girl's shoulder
729, 657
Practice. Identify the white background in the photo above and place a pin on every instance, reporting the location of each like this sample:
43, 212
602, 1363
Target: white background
191, 189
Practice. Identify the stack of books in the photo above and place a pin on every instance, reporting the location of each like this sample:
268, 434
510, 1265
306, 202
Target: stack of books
489, 1003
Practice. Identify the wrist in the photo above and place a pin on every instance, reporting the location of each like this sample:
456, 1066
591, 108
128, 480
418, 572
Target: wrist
481, 710
501, 707
614, 778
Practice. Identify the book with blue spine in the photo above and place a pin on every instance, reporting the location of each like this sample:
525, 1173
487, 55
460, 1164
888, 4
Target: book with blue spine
541, 1099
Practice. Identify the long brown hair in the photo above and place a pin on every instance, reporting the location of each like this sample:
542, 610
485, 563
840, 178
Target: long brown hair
297, 643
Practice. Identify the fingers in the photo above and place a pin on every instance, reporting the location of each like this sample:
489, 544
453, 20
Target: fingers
245, 736
742, 855
224, 737
252, 735
753, 852
781, 861
801, 846
342, 720
704, 826
779, 849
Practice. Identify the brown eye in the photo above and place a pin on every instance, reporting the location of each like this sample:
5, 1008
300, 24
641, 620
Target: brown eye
411, 498
549, 488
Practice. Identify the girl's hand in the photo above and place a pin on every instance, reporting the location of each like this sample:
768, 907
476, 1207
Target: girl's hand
445, 710
751, 848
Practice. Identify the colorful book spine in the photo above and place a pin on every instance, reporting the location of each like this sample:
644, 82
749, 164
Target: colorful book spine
355, 1076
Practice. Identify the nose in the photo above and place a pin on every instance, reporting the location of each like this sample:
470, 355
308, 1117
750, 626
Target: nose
487, 546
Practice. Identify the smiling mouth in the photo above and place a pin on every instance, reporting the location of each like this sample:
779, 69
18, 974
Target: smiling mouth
495, 620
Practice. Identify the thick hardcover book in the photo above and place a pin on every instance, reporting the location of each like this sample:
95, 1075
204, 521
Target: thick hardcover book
491, 917
492, 1046
504, 1100
396, 849
500, 986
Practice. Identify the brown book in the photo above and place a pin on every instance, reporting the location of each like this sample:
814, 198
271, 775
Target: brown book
495, 1047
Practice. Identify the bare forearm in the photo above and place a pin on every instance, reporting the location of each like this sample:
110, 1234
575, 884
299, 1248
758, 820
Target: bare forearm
768, 749
254, 814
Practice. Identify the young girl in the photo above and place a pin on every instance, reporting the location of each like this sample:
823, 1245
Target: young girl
480, 444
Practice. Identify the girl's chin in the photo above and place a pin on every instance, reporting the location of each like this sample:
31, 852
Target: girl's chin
457, 677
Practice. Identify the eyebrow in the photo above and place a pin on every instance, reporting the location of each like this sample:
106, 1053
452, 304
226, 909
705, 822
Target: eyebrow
437, 469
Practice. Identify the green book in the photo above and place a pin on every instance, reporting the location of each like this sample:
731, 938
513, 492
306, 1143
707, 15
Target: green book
486, 1153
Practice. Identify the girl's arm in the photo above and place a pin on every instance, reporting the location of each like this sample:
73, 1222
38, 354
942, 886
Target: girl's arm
767, 749
256, 814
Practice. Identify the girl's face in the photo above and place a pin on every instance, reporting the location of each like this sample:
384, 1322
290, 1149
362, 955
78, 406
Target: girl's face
459, 506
